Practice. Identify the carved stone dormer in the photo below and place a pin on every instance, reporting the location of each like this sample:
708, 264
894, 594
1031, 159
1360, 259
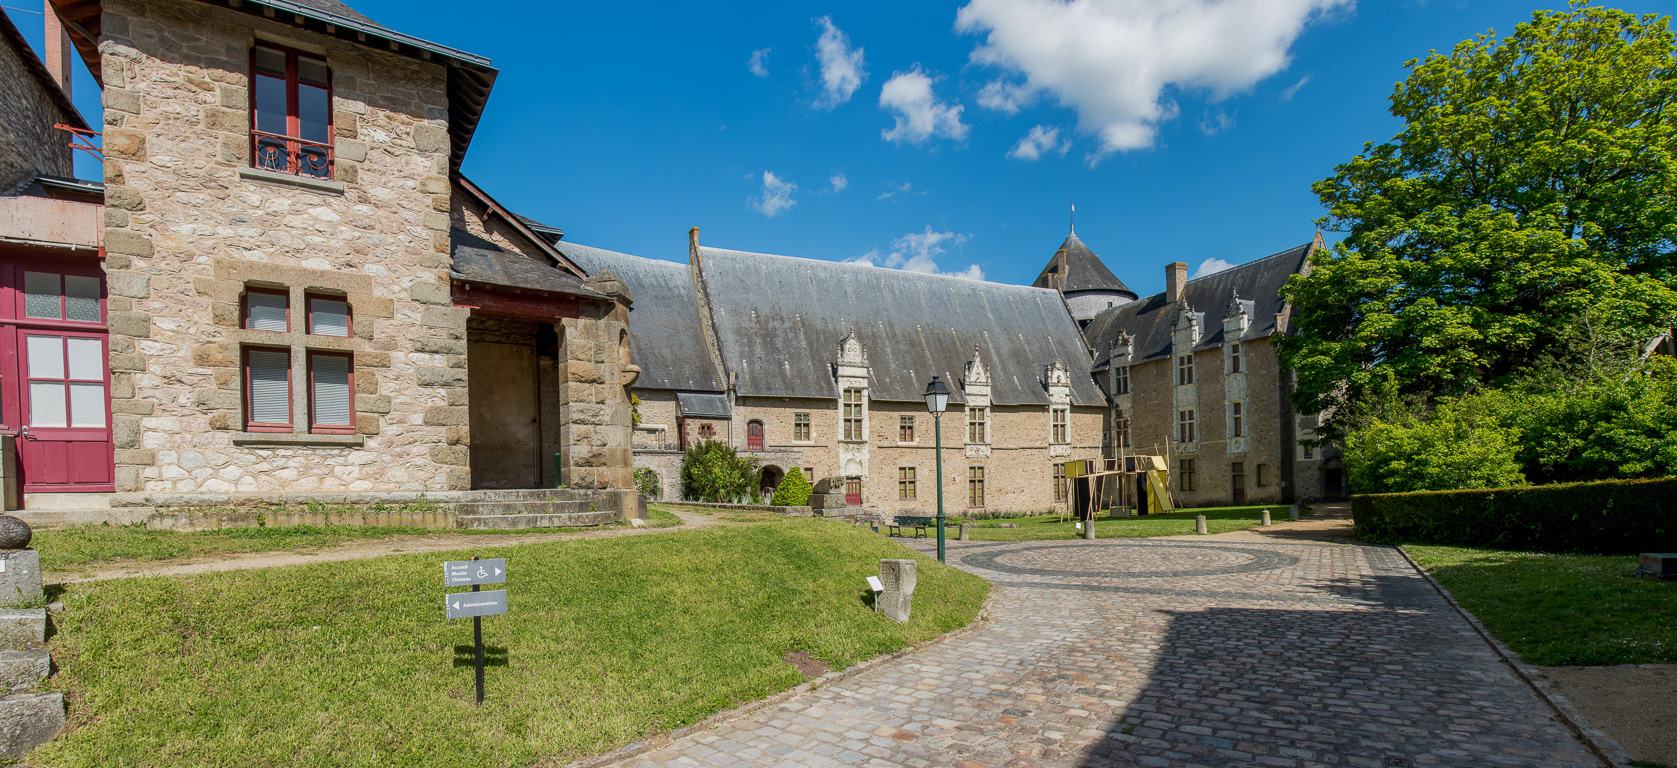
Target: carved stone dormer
851, 378
1058, 379
1186, 331
1236, 319
975, 385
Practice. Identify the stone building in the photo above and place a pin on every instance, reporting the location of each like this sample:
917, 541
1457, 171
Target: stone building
821, 365
1192, 375
1084, 280
295, 276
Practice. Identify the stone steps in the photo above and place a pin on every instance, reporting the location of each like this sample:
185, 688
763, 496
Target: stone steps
530, 507
28, 720
512, 522
23, 670
525, 494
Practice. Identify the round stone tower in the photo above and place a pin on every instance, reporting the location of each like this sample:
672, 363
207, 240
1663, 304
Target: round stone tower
1088, 286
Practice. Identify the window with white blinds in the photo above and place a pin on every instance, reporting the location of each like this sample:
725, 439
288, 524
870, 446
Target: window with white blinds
330, 399
328, 316
266, 311
268, 387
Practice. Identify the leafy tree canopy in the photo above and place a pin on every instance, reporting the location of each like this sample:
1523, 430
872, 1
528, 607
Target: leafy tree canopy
711, 471
1523, 217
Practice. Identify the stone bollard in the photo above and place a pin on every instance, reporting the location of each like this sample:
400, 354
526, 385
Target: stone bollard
1089, 528
1266, 517
964, 536
898, 598
1293, 511
1199, 524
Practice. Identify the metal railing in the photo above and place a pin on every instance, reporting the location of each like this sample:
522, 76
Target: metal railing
289, 154
82, 139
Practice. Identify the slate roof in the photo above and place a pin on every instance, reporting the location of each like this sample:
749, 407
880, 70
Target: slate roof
1084, 271
704, 406
667, 339
780, 320
481, 261
38, 70
1151, 320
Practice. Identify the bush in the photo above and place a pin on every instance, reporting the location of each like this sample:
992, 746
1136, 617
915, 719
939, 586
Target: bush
1462, 445
646, 483
712, 472
1613, 516
793, 490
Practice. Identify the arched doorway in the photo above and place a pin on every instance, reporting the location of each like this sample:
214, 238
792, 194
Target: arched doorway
769, 479
754, 435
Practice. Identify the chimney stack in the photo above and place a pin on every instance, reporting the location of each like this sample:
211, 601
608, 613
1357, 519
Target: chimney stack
58, 48
1176, 276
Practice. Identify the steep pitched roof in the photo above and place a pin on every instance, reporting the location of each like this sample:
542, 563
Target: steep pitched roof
667, 339
1084, 271
780, 320
1150, 321
480, 261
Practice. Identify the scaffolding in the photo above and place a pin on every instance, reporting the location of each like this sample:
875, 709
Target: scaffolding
1139, 482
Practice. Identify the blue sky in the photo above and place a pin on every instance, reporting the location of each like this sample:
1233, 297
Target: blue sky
628, 123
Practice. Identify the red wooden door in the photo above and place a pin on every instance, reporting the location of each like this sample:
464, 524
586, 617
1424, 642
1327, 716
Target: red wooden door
56, 374
754, 436
853, 491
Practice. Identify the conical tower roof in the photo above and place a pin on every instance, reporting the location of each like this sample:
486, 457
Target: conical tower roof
1076, 269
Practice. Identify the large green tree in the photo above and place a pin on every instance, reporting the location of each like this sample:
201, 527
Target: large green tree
1524, 217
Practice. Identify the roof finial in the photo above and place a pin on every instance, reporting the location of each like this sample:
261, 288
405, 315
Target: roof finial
1074, 214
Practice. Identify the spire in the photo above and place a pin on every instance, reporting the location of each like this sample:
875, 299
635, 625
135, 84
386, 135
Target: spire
1074, 215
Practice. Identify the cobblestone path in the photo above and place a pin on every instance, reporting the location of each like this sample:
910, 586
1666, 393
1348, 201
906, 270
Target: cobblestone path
1171, 653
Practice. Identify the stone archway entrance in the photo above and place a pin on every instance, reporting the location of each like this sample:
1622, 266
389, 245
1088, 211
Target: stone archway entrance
769, 478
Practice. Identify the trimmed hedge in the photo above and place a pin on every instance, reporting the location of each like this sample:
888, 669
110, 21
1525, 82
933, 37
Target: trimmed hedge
1612, 516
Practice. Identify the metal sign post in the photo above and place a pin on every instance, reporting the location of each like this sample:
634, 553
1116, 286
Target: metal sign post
475, 604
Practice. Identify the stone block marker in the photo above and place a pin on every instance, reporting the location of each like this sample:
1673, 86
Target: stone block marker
22, 627
28, 720
1199, 524
22, 670
1266, 517
1293, 512
20, 577
1089, 529
1657, 565
964, 535
898, 577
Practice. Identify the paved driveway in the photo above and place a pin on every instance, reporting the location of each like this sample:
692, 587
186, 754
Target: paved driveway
1171, 653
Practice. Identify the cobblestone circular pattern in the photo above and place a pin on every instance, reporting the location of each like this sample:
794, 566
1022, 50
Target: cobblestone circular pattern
1128, 561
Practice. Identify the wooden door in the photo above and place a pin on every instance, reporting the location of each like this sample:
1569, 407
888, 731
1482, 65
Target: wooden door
754, 435
502, 387
1238, 483
853, 491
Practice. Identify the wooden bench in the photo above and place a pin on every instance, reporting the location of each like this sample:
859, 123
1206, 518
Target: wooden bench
919, 524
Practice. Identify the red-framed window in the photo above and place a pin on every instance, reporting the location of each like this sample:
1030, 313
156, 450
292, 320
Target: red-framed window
331, 393
266, 309
58, 295
66, 380
754, 435
291, 111
267, 389
328, 315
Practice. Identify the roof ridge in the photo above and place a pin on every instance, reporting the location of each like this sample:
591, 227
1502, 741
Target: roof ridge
854, 265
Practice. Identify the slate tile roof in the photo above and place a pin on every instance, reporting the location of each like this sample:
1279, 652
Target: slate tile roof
480, 261
667, 340
1084, 271
780, 320
1151, 320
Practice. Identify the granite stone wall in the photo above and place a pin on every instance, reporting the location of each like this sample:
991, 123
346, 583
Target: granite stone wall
191, 226
31, 145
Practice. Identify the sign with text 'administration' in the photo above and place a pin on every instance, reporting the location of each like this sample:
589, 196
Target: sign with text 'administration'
465, 605
465, 573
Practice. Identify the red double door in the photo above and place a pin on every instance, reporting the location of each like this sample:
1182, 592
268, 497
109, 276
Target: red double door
54, 373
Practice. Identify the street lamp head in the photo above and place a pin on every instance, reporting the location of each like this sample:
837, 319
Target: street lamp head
937, 396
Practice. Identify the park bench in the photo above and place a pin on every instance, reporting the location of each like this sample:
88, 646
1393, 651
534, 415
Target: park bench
919, 524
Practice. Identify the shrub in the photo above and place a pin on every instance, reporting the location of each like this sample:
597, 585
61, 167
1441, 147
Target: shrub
1612, 516
712, 472
793, 490
1462, 445
646, 483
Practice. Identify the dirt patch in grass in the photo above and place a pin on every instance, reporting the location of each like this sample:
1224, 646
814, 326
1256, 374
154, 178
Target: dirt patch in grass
1631, 703
807, 664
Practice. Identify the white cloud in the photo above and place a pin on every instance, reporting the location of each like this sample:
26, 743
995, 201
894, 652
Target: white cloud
838, 181
918, 252
1112, 60
1211, 267
756, 63
900, 189
776, 197
920, 116
1292, 90
1213, 124
842, 67
1041, 139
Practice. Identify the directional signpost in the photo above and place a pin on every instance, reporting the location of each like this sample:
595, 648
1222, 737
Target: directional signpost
475, 604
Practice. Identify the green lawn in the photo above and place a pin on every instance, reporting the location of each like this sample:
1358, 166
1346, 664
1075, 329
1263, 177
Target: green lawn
352, 664
1561, 609
1217, 520
69, 548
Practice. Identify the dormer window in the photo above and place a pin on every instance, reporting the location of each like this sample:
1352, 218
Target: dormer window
290, 112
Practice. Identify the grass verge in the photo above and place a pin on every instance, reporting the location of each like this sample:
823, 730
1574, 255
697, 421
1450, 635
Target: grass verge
1586, 610
352, 664
1217, 520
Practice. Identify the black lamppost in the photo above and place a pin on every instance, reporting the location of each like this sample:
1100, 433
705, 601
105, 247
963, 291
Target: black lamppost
937, 399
